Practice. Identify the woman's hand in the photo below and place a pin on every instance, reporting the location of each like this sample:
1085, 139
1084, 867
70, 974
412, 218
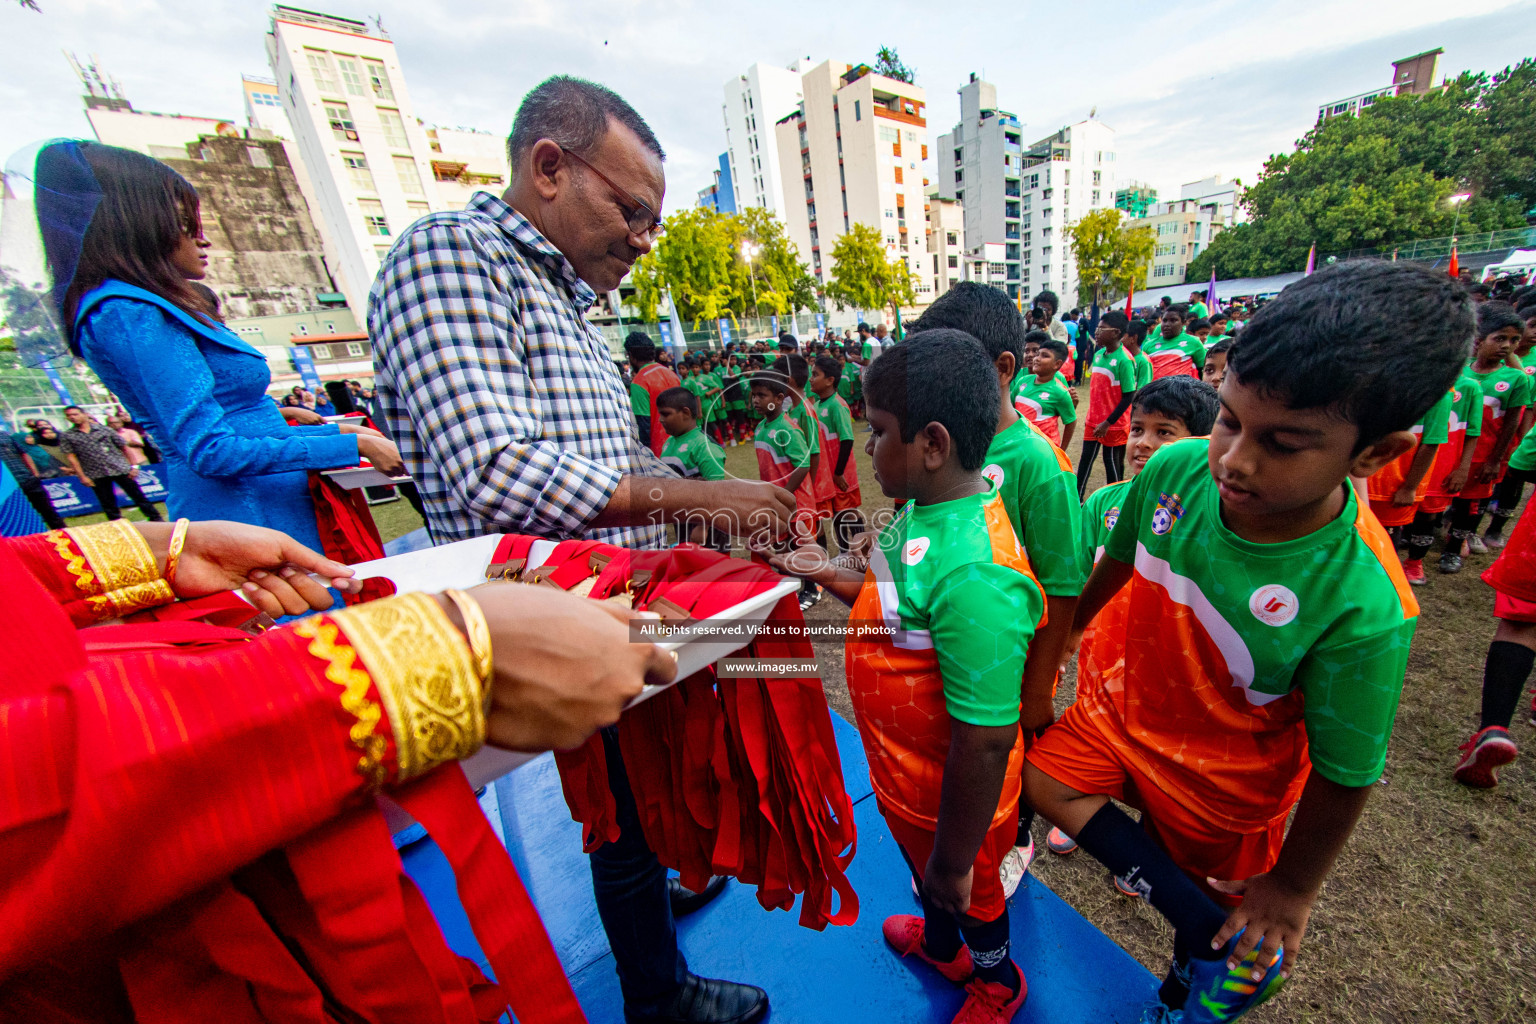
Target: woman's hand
383, 454
300, 416
270, 569
354, 428
564, 666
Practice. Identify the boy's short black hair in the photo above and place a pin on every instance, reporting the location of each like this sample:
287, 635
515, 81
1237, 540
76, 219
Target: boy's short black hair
1218, 316
1036, 337
830, 368
1049, 298
678, 398
1495, 316
939, 376
1116, 319
1138, 329
1197, 323
772, 380
1221, 348
1374, 341
1190, 401
1056, 348
756, 359
863, 328
1181, 308
985, 313
794, 366
638, 345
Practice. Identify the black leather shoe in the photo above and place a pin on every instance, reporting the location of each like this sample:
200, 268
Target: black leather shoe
686, 901
706, 1001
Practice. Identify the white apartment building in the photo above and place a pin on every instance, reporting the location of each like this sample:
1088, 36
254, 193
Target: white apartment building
946, 240
1063, 177
466, 161
754, 102
264, 106
856, 146
979, 165
1181, 228
367, 155
1224, 195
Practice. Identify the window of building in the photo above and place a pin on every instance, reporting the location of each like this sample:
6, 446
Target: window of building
381, 251
959, 197
325, 74
373, 216
1096, 197
258, 155
394, 129
320, 351
1010, 209
884, 133
959, 175
358, 172
1066, 176
418, 210
410, 177
351, 75
378, 78
954, 261
857, 116
1097, 177
951, 238
342, 128
354, 348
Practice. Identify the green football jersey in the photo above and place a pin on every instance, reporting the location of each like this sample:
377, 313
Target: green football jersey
1143, 370
1048, 406
1039, 491
1100, 512
1242, 659
693, 455
1181, 355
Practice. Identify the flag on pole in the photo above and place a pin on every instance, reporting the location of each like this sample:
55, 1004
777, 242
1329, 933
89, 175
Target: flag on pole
1211, 305
1455, 268
1129, 299
678, 341
1311, 261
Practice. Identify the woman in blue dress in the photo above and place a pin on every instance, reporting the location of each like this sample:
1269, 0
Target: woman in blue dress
131, 310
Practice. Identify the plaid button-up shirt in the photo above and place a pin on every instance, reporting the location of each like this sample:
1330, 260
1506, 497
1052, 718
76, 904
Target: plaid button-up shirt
504, 400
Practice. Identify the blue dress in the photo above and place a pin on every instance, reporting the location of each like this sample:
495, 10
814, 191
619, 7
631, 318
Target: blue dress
202, 392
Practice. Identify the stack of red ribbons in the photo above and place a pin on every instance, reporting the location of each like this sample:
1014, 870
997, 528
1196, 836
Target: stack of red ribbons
736, 777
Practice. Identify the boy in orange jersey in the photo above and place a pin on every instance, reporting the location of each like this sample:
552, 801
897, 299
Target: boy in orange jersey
937, 696
1265, 660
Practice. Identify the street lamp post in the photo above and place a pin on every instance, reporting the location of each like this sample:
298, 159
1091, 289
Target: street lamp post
749, 251
1456, 201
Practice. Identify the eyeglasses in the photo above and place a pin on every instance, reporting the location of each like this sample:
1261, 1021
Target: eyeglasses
642, 220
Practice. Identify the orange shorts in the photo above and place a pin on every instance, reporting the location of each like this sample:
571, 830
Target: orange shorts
987, 899
1389, 514
1075, 753
1435, 504
843, 501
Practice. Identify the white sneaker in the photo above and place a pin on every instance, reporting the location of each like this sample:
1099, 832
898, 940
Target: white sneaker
1015, 866
1476, 546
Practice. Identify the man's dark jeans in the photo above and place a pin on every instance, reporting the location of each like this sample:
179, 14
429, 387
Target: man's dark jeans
37, 494
102, 485
631, 889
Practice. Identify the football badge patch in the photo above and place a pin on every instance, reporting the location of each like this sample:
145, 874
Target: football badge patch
1168, 512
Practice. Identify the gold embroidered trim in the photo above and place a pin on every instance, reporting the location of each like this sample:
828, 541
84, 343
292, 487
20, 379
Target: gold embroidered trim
340, 661
84, 578
131, 599
425, 674
117, 553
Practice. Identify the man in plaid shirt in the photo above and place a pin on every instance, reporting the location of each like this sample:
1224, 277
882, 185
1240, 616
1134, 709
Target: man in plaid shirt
512, 418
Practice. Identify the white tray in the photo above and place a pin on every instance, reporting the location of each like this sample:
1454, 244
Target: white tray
462, 564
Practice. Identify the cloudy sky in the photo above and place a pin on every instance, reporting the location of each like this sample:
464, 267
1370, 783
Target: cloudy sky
1199, 87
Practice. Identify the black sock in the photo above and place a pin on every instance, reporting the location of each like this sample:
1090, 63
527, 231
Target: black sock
989, 952
941, 932
1496, 523
1121, 845
1421, 535
1504, 675
1026, 820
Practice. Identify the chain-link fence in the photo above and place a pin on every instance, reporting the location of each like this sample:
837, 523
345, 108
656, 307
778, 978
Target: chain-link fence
712, 335
1440, 248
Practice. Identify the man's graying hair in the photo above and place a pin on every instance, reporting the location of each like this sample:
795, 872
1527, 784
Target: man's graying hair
574, 113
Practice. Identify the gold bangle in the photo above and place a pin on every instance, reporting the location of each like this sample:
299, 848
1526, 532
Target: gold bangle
478, 633
173, 552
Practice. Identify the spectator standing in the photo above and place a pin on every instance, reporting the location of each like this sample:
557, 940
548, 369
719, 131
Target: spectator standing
133, 441
25, 471
42, 444
649, 379
96, 454
1047, 303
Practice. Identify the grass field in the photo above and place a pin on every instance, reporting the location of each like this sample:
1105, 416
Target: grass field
1427, 916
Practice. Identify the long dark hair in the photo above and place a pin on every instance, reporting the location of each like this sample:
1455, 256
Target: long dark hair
145, 210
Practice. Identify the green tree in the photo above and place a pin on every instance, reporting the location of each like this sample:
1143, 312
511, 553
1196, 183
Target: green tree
1382, 178
887, 63
783, 284
862, 276
1111, 255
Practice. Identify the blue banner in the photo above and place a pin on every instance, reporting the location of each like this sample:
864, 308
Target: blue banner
775, 321
58, 383
821, 324
72, 498
17, 516
725, 332
306, 367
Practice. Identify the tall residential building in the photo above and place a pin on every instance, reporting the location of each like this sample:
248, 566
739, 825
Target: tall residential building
264, 106
1181, 228
946, 239
1224, 195
719, 195
1134, 198
979, 165
754, 103
1411, 76
856, 145
466, 161
1064, 176
367, 155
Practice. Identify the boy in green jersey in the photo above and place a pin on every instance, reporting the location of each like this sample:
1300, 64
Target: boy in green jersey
691, 455
1135, 336
1041, 396
837, 423
1215, 369
1173, 350
1265, 660
1035, 481
940, 624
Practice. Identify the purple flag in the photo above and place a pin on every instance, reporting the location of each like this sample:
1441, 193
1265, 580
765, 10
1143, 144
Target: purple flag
1211, 305
1311, 261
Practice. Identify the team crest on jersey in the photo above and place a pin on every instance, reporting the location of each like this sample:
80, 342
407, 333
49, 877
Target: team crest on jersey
994, 472
1111, 517
1274, 605
1502, 385
1169, 511
915, 548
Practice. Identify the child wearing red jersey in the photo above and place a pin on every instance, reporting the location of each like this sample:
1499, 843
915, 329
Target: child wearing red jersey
1397, 488
1448, 474
1111, 385
1506, 393
1265, 660
837, 422
937, 697
1173, 350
